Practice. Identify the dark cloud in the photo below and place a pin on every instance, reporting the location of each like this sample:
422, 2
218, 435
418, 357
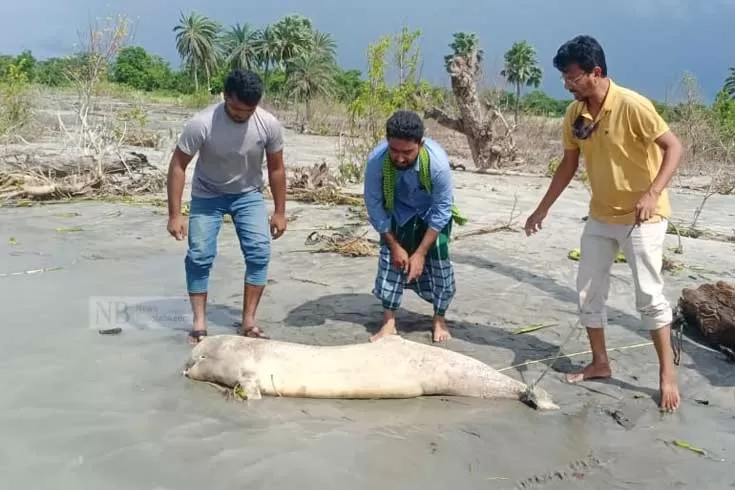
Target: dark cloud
650, 43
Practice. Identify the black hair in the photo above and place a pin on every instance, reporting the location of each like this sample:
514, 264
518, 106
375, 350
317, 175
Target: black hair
583, 51
405, 125
245, 85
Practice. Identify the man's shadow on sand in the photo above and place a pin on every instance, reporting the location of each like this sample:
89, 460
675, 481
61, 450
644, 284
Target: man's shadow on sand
366, 310
715, 367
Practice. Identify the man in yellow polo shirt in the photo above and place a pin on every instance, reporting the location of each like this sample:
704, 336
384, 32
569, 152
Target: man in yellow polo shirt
630, 156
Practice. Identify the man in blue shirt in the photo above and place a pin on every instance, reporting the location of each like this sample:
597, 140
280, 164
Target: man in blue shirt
409, 200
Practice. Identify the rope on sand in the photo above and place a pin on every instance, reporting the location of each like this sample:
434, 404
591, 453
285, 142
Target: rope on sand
572, 328
611, 349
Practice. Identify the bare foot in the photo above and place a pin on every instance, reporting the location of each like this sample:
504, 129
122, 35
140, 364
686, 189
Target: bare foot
195, 335
669, 392
388, 328
253, 331
440, 332
591, 371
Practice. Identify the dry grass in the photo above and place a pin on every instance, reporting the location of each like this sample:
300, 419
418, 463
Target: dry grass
706, 153
328, 117
670, 265
345, 245
327, 196
317, 185
142, 138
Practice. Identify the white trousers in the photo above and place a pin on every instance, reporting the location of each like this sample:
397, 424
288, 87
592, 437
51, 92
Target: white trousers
643, 251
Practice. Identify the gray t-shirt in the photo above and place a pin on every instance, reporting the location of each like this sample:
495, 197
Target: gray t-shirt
231, 154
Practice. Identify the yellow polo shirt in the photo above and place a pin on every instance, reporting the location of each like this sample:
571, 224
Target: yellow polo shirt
621, 156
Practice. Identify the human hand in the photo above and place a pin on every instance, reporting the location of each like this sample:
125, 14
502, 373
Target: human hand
415, 266
399, 258
177, 227
278, 225
645, 208
533, 223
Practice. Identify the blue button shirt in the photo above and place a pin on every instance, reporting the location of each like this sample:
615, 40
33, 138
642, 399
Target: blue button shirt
410, 200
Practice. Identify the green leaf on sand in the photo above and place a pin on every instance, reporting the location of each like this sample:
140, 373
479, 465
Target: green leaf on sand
576, 254
686, 445
533, 328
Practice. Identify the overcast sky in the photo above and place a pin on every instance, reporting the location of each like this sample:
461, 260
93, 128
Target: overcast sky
649, 43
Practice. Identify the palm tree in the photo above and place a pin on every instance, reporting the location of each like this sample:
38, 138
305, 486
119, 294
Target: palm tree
240, 46
323, 43
521, 69
310, 75
264, 51
291, 37
196, 38
729, 87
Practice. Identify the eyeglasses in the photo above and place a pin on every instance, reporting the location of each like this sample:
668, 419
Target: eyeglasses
582, 131
572, 81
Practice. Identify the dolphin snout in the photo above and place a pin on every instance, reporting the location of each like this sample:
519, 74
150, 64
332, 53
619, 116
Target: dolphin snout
189, 364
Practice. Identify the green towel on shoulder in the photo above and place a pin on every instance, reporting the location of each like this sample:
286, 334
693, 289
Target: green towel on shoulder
389, 182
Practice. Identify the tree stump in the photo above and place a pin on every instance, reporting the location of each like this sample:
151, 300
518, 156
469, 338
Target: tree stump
711, 308
476, 120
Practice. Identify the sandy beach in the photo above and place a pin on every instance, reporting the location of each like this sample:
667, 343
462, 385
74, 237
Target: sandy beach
82, 410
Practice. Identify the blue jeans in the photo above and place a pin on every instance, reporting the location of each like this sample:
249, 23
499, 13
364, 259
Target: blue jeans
250, 218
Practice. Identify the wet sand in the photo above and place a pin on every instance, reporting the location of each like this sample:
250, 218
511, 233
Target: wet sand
87, 411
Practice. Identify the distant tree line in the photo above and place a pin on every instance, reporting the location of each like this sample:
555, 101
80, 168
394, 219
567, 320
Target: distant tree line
298, 64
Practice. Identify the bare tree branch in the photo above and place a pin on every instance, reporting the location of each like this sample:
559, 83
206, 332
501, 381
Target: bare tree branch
474, 121
444, 119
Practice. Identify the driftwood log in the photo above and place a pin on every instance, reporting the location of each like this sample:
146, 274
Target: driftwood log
53, 175
315, 177
711, 308
59, 165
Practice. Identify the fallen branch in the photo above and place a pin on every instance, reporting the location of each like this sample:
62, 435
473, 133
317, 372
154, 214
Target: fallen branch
444, 119
71, 162
34, 179
509, 225
483, 231
43, 177
309, 281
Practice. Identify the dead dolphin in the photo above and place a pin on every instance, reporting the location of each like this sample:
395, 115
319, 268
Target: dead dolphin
391, 367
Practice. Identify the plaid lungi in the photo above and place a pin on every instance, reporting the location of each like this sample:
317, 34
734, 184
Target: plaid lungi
435, 285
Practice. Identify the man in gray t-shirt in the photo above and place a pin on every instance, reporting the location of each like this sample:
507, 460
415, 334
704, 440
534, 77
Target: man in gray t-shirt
231, 138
